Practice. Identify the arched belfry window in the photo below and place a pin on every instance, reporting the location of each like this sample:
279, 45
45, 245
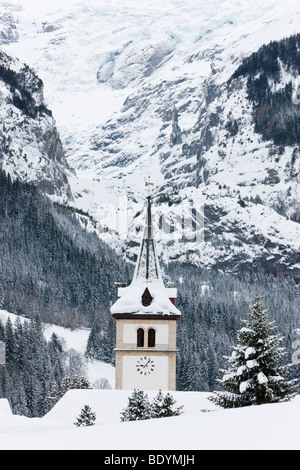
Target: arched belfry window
151, 338
140, 338
146, 298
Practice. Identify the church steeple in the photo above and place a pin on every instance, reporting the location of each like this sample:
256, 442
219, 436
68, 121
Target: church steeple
147, 265
146, 320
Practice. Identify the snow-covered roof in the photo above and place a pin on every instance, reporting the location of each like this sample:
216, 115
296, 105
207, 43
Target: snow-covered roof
130, 301
147, 275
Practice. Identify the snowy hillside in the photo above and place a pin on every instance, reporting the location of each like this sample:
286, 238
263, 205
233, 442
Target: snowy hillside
113, 73
200, 427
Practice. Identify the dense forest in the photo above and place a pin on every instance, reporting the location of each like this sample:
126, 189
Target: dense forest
33, 367
51, 271
48, 263
213, 303
276, 116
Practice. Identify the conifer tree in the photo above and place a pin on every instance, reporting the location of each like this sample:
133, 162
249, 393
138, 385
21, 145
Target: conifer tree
138, 407
86, 418
255, 375
68, 383
162, 406
192, 372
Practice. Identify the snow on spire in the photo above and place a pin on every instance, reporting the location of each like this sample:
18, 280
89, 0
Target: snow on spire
146, 294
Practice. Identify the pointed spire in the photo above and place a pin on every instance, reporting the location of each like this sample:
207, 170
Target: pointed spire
146, 295
147, 264
148, 236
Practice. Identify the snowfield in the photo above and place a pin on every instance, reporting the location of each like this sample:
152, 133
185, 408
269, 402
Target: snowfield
200, 427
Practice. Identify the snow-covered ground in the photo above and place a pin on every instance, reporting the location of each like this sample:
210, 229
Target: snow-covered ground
262, 427
201, 426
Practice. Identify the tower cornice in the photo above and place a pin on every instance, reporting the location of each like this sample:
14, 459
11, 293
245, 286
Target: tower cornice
142, 316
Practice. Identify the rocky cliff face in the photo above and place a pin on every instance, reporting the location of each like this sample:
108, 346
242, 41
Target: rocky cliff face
230, 146
8, 28
30, 146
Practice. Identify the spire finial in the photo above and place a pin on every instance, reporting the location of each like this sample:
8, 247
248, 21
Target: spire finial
148, 183
149, 235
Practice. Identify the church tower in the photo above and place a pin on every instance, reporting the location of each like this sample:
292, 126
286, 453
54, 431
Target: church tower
146, 319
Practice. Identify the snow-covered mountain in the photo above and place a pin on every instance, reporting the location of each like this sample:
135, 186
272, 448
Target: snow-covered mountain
30, 147
145, 92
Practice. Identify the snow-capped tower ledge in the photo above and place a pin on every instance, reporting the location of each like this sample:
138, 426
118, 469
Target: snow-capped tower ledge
146, 294
146, 320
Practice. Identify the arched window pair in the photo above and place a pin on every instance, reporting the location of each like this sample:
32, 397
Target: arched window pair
141, 338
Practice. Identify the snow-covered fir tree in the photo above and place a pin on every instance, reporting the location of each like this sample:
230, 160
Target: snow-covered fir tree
255, 375
162, 406
138, 407
68, 383
86, 418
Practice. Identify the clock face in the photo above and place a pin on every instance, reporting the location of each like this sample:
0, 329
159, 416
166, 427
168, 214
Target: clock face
145, 365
